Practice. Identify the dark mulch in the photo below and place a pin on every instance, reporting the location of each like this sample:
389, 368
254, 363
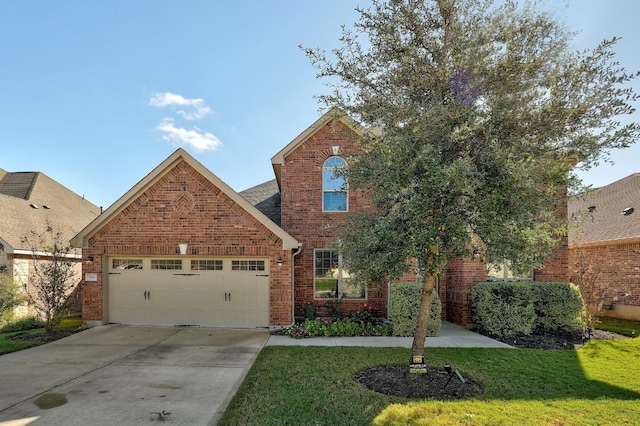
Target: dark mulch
397, 381
560, 341
45, 337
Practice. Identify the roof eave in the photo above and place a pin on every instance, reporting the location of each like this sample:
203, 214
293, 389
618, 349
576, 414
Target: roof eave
82, 238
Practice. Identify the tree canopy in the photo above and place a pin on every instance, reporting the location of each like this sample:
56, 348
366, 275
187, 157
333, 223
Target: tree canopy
476, 112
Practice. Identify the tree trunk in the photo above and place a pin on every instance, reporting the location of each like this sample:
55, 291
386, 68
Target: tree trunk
428, 284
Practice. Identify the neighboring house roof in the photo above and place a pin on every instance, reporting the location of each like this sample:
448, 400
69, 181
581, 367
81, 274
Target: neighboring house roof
277, 161
82, 238
606, 215
30, 201
266, 198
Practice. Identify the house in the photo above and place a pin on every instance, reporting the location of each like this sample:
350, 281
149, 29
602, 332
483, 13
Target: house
606, 239
31, 202
183, 248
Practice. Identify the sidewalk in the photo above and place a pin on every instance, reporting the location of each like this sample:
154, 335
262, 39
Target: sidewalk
451, 336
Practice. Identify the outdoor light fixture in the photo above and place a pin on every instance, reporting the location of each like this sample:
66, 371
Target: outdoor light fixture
89, 260
280, 261
183, 248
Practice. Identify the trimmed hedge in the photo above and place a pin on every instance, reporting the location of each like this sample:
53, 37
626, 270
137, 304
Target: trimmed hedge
404, 306
559, 307
506, 309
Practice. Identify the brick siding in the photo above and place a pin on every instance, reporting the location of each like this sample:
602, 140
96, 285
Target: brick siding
620, 269
184, 206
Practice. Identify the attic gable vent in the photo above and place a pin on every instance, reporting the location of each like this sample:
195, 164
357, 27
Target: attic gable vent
33, 206
628, 211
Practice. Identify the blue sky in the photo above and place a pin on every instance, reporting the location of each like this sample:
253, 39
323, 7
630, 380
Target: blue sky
95, 94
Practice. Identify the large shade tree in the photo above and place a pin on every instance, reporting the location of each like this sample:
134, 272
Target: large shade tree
474, 113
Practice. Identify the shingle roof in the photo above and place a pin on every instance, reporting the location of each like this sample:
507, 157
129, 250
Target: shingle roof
31, 200
18, 184
266, 198
605, 213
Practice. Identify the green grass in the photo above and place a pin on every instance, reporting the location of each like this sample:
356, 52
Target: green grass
7, 345
596, 385
620, 326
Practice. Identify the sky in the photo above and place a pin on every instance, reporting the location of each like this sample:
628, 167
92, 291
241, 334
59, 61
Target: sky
95, 94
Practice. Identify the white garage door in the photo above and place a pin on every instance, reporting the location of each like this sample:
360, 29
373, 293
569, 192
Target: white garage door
211, 292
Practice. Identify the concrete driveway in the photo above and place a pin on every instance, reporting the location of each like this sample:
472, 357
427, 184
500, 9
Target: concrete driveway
127, 375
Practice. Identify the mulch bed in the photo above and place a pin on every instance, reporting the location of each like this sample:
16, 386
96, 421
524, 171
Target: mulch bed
397, 381
559, 341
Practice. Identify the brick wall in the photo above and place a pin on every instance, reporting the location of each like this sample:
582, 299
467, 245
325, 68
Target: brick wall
556, 268
302, 215
619, 269
184, 206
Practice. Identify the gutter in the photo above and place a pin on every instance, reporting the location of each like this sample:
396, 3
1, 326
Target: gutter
46, 254
293, 284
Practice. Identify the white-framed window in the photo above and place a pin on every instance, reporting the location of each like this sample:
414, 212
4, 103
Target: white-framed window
206, 265
174, 264
335, 197
126, 263
331, 280
247, 265
504, 272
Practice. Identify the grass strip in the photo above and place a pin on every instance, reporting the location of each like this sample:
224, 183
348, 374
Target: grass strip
7, 345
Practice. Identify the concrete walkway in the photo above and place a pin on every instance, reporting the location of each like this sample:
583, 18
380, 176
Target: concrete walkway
451, 336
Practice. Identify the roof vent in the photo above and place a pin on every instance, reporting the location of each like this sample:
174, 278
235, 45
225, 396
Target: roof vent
628, 211
591, 209
33, 206
46, 207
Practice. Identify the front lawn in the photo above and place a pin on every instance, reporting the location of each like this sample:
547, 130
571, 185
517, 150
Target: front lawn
620, 326
8, 345
596, 385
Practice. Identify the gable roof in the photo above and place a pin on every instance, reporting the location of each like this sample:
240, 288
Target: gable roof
18, 184
266, 198
602, 213
30, 201
334, 114
82, 238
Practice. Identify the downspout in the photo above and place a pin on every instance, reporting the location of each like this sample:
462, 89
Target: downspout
293, 285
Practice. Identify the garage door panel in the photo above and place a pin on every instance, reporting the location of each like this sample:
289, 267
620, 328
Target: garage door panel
223, 296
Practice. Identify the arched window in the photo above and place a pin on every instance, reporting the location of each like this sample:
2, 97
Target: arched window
334, 186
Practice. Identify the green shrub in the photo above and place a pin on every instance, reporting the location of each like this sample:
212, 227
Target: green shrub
559, 307
504, 309
22, 324
335, 308
10, 297
404, 306
309, 310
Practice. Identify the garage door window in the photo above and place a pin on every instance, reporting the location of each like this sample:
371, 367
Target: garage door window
247, 265
166, 264
126, 264
206, 265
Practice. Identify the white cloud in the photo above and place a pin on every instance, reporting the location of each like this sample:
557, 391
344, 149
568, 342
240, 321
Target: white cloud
195, 109
195, 138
